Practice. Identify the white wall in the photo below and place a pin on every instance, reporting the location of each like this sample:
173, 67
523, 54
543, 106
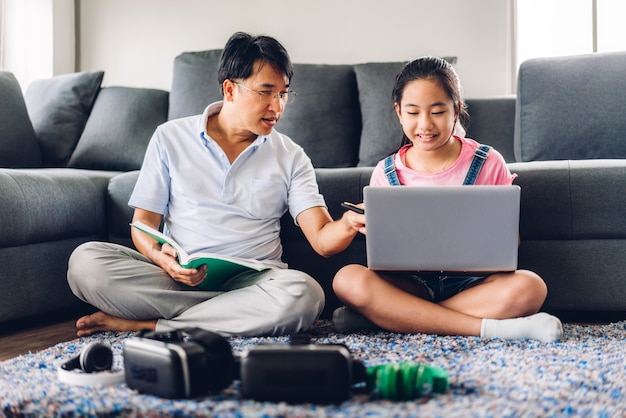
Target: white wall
135, 41
63, 37
37, 39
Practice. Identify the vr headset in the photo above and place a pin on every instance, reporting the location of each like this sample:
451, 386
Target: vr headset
192, 362
299, 372
179, 364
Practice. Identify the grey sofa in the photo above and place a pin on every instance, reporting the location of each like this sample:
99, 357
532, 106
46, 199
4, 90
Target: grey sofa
71, 150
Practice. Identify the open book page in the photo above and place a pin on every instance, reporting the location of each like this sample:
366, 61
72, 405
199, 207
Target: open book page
220, 268
161, 238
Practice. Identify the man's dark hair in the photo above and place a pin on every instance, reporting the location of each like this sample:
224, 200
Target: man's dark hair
243, 50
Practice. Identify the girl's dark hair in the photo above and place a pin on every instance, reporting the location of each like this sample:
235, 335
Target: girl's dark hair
441, 72
243, 50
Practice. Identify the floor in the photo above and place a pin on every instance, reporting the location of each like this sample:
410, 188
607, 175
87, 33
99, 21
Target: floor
36, 334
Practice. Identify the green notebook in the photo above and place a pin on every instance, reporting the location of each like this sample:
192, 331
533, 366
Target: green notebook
220, 268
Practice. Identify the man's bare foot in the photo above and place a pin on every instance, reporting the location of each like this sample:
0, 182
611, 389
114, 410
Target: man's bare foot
101, 321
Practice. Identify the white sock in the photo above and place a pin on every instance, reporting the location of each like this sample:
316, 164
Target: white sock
541, 326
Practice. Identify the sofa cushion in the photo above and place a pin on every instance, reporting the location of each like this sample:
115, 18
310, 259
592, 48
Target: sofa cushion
571, 199
492, 122
545, 207
597, 210
53, 204
120, 214
119, 128
382, 132
194, 83
58, 108
571, 108
18, 143
325, 118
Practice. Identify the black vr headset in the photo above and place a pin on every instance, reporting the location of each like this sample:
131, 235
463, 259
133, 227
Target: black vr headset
178, 364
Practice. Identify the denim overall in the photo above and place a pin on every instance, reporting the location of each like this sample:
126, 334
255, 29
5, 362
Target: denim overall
441, 287
480, 155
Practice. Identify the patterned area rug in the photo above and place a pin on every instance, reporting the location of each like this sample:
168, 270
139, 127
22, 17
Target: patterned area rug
583, 375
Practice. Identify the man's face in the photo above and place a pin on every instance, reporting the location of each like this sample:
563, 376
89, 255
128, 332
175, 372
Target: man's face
256, 98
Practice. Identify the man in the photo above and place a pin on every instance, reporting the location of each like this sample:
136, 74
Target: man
220, 181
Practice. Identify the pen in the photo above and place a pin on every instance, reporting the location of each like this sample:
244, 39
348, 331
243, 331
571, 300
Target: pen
352, 207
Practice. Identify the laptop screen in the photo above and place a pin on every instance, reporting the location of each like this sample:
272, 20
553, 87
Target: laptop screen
453, 229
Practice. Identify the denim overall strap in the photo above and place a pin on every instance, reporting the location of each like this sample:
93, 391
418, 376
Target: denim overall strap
477, 163
390, 171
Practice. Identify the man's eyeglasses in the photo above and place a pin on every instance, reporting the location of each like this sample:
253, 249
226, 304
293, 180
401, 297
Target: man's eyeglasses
267, 97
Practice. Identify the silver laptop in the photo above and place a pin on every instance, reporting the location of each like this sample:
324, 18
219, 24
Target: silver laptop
451, 229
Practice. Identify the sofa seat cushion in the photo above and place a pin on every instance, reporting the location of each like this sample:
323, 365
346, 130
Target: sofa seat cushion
51, 204
58, 108
581, 275
119, 128
120, 214
336, 185
18, 142
571, 108
572, 199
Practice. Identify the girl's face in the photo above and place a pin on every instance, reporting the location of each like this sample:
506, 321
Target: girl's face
427, 114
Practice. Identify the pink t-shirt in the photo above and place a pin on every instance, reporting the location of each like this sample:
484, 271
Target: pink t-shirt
493, 172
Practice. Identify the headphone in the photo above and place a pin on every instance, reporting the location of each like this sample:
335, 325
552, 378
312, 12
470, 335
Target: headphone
94, 357
405, 381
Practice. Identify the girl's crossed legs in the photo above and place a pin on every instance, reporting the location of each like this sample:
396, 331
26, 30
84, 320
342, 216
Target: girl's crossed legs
502, 305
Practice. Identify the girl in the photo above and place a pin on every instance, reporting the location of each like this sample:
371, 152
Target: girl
427, 99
